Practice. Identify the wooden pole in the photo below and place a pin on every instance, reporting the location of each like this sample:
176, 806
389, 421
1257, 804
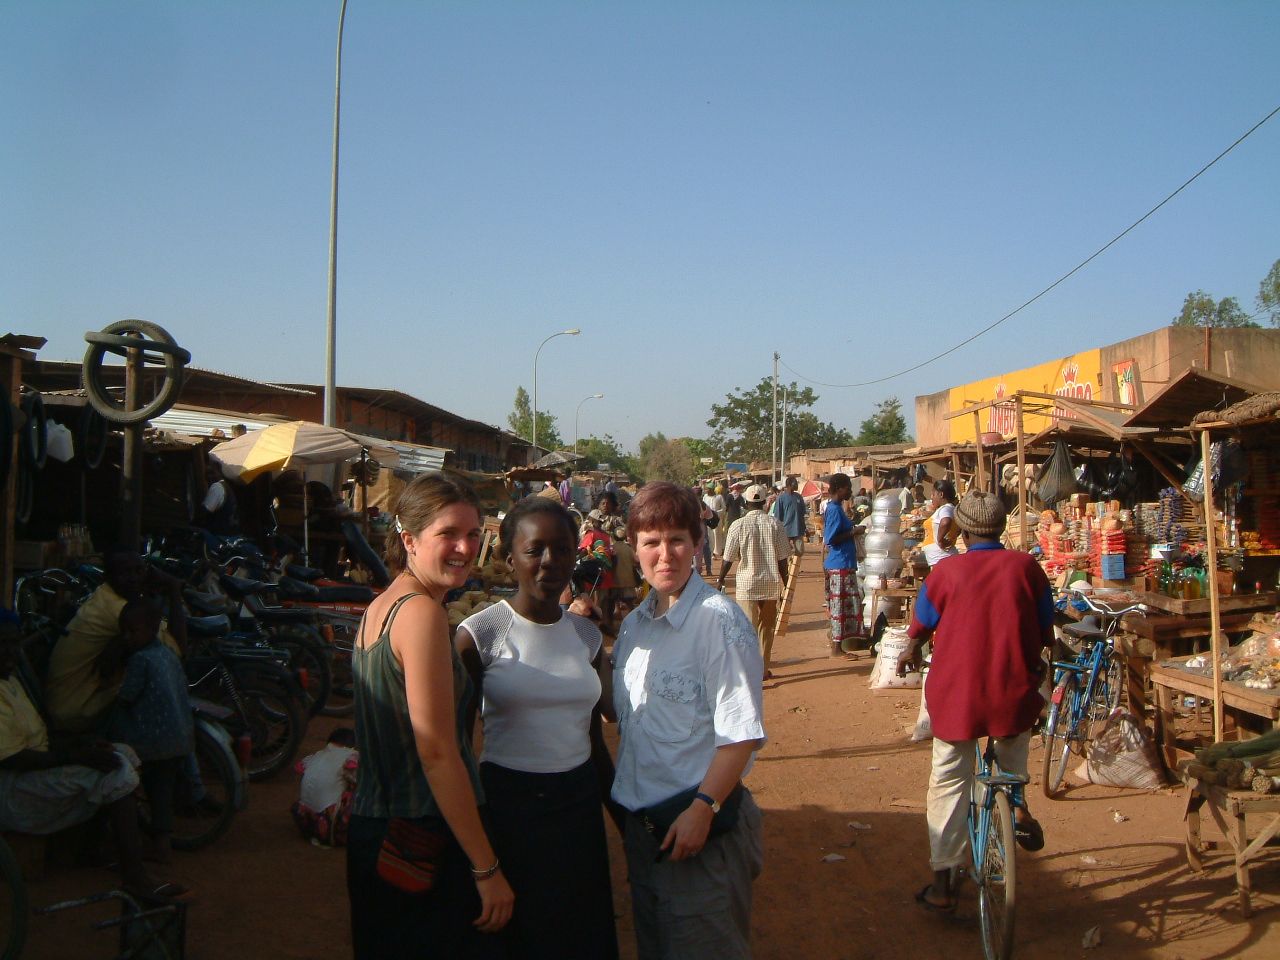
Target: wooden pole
1022, 464
955, 471
131, 467
1215, 614
981, 477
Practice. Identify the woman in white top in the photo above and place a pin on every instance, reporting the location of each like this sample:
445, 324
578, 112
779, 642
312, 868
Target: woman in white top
545, 767
940, 529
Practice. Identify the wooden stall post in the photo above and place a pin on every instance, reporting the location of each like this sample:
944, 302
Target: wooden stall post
1022, 464
131, 468
1215, 614
981, 477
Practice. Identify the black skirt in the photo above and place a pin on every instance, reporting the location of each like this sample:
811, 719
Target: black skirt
548, 829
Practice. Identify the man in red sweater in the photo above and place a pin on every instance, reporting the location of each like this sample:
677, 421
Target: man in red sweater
989, 613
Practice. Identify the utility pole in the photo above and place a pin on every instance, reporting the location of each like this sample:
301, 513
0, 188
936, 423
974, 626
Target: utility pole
773, 456
782, 470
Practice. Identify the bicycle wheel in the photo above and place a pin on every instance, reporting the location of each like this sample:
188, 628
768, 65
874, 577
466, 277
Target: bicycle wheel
199, 822
996, 879
276, 724
1059, 731
1106, 687
13, 904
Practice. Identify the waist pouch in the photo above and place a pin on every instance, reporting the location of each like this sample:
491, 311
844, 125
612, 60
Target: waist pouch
413, 853
659, 817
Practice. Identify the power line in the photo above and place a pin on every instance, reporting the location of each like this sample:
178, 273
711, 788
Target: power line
1078, 267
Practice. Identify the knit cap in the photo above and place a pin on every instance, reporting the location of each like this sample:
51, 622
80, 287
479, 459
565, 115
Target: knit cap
980, 513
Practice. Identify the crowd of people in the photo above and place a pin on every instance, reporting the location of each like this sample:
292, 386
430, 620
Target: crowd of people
503, 854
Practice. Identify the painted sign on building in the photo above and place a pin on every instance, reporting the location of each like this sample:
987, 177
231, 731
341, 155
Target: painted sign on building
1077, 376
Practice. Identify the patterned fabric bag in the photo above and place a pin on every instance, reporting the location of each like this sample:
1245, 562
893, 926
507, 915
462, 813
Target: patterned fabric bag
412, 853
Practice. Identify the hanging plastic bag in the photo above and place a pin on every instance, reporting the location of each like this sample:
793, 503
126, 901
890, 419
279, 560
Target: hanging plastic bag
60, 445
1056, 481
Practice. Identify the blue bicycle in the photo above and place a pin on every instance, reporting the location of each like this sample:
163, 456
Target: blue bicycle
992, 846
1086, 689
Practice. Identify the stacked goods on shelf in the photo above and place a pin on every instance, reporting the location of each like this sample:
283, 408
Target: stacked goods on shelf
1055, 548
1172, 515
1107, 557
883, 543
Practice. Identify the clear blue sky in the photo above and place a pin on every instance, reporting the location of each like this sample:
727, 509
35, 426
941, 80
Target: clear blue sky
694, 184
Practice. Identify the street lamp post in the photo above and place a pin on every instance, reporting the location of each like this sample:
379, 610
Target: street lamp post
577, 413
331, 342
571, 332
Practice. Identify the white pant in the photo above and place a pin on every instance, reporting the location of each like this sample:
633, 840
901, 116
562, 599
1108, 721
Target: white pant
951, 783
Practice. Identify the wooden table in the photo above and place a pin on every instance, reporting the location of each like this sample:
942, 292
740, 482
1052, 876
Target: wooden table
1168, 681
905, 594
1229, 808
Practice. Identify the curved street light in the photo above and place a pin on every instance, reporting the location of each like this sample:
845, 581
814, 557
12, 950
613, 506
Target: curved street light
578, 412
571, 332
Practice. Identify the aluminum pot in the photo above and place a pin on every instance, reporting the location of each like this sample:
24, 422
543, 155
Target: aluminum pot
881, 523
887, 501
883, 543
880, 566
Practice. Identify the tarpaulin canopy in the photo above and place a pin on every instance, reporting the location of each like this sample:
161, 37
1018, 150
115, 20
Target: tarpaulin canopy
295, 445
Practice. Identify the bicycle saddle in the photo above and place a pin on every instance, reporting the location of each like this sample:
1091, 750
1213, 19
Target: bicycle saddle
1085, 629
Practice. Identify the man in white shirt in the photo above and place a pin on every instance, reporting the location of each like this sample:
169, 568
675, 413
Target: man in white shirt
760, 542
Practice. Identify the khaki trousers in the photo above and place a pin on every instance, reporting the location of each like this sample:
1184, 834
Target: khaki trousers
950, 784
763, 615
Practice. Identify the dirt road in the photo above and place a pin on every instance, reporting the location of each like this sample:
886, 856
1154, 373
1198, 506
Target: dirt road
838, 754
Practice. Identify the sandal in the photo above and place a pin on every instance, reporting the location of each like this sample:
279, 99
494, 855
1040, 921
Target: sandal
1029, 834
922, 898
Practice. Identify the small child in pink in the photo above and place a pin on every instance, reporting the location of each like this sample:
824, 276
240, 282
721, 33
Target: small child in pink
323, 810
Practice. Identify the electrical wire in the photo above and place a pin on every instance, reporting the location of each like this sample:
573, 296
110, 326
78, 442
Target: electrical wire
1074, 270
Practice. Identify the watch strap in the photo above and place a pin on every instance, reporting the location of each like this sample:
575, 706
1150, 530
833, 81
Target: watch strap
708, 800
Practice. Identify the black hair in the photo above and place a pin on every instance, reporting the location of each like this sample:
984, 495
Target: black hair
947, 489
528, 507
607, 495
342, 736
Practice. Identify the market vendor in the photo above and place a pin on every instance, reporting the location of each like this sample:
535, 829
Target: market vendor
940, 533
989, 613
86, 667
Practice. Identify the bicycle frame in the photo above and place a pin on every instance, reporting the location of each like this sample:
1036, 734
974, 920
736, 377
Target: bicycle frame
989, 779
992, 801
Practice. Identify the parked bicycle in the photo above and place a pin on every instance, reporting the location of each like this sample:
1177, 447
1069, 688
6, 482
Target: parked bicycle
13, 905
992, 847
1086, 689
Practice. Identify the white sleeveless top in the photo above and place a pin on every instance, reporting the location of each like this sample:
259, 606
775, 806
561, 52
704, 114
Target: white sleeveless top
539, 688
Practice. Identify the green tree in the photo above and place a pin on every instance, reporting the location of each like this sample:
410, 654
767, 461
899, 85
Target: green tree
520, 420
886, 425
1269, 294
1201, 310
663, 459
742, 426
597, 450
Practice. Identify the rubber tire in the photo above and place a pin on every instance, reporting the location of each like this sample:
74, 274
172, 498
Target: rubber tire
269, 705
308, 650
1102, 706
1057, 738
100, 399
14, 893
35, 432
997, 930
342, 691
24, 494
6, 433
219, 771
93, 438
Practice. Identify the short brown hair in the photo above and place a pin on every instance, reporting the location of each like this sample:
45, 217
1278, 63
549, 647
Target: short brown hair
419, 502
665, 506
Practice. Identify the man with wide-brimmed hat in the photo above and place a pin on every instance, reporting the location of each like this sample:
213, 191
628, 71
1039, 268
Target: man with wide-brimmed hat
989, 613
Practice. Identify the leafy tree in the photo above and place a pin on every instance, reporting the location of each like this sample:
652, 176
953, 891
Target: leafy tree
1269, 294
742, 426
663, 459
597, 450
886, 425
1200, 310
520, 420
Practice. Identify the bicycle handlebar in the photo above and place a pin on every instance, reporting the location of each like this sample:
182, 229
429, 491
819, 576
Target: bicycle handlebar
1099, 606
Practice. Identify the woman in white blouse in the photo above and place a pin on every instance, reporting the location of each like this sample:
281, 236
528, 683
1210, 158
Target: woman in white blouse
545, 768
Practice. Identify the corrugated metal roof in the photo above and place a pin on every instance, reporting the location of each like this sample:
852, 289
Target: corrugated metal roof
416, 458
201, 421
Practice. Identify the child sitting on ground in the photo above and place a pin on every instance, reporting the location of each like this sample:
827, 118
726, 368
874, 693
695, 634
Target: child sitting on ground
323, 809
152, 714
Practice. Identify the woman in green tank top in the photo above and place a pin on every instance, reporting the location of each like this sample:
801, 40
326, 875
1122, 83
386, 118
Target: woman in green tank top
422, 876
